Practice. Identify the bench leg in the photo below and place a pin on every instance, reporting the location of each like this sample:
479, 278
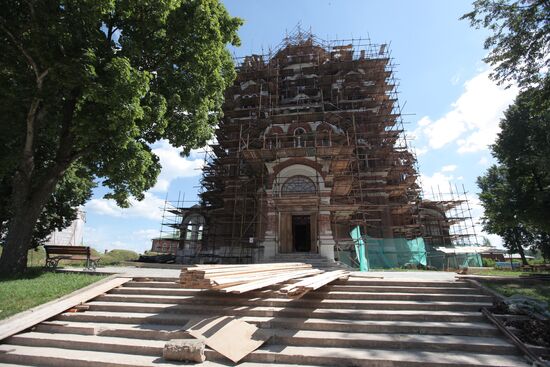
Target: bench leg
52, 263
91, 264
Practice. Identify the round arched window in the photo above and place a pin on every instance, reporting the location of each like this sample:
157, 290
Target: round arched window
297, 185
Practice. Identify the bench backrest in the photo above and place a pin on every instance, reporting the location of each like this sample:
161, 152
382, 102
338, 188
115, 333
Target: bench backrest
68, 250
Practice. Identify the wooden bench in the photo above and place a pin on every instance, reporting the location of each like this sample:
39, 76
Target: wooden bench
54, 254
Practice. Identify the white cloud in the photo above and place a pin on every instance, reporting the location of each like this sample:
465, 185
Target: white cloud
435, 184
147, 234
174, 165
421, 151
455, 79
483, 161
424, 121
103, 239
449, 168
476, 211
473, 120
150, 207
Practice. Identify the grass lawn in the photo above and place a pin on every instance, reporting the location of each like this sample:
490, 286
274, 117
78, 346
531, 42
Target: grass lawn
501, 273
495, 272
37, 287
538, 290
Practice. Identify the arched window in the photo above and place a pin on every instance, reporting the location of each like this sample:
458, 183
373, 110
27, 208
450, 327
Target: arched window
273, 141
193, 227
298, 185
299, 137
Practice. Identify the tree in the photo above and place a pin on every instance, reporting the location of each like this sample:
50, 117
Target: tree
520, 41
516, 193
523, 147
86, 86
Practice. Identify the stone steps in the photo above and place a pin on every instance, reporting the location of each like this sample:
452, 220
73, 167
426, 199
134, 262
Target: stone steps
320, 324
315, 260
143, 330
337, 313
307, 352
62, 357
293, 337
325, 293
358, 322
442, 289
350, 304
288, 304
368, 358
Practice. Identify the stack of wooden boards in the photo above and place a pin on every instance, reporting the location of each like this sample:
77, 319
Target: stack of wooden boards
297, 290
244, 278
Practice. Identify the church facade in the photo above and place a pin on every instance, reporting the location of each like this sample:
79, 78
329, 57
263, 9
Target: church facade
311, 145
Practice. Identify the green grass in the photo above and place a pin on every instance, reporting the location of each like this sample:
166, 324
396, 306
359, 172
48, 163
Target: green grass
538, 290
37, 287
501, 273
495, 272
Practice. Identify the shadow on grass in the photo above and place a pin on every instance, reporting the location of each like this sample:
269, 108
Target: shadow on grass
30, 273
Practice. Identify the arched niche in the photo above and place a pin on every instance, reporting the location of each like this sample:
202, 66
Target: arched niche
193, 228
297, 170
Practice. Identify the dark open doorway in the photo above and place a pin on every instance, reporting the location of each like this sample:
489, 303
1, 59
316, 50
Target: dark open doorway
301, 233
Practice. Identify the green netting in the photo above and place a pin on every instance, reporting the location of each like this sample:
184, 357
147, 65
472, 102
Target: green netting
395, 252
387, 253
360, 249
381, 253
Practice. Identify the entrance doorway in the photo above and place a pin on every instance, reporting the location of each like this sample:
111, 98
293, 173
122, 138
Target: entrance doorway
301, 233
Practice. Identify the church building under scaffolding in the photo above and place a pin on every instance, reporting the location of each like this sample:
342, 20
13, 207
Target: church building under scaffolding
311, 145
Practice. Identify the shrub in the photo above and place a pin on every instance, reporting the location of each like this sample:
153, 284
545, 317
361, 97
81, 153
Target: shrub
488, 263
115, 257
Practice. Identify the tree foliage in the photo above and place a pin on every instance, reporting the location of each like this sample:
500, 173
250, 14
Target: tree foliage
86, 86
516, 193
520, 41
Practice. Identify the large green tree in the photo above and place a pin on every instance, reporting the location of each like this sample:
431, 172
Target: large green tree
85, 87
519, 43
516, 193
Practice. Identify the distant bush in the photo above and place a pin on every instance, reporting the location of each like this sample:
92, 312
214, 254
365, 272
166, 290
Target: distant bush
488, 263
115, 257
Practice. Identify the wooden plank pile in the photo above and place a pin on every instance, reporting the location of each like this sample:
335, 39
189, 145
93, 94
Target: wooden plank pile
244, 278
297, 290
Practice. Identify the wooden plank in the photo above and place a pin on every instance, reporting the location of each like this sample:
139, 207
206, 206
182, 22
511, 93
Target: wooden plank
250, 277
313, 283
36, 315
268, 282
253, 270
235, 339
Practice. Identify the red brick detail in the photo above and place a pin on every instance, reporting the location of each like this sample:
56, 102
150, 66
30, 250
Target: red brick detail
274, 130
295, 125
306, 162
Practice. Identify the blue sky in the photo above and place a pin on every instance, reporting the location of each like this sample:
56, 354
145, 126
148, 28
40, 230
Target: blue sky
451, 108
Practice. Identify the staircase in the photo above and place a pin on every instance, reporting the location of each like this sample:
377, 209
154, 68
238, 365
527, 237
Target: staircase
316, 260
357, 322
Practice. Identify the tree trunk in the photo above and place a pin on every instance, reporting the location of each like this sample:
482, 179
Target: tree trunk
27, 207
18, 240
522, 254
